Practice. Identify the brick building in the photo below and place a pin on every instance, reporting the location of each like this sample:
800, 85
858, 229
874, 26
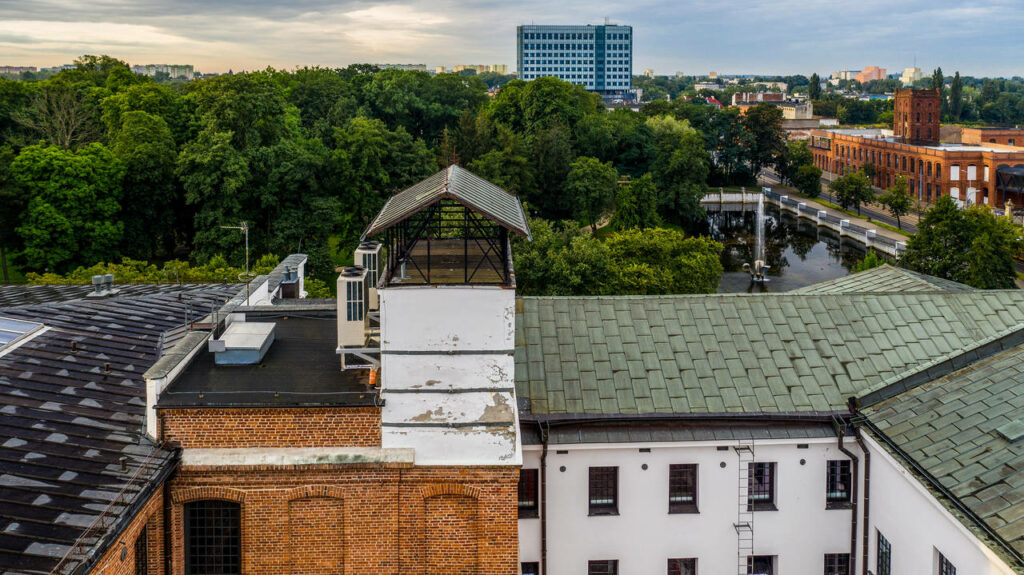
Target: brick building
985, 168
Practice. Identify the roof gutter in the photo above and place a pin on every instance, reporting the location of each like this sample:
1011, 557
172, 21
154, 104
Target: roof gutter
554, 420
938, 486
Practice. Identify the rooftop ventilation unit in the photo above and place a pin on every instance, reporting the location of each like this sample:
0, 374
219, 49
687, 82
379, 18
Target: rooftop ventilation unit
242, 343
290, 283
103, 286
353, 314
368, 256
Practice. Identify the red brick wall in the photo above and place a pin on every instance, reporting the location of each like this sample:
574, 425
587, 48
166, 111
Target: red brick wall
151, 516
394, 519
273, 427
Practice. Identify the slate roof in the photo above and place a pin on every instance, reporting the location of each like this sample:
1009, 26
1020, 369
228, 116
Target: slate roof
742, 353
22, 295
68, 415
460, 185
884, 279
954, 428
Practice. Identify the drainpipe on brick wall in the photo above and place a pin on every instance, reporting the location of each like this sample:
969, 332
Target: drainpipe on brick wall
543, 498
840, 428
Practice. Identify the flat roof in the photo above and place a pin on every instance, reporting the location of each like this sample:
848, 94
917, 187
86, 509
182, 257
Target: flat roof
301, 369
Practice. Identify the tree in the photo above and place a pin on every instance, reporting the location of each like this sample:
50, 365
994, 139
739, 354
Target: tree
662, 261
636, 205
871, 260
145, 146
972, 246
814, 87
71, 217
808, 180
797, 154
592, 185
13, 202
61, 114
680, 170
561, 260
897, 200
851, 190
767, 138
938, 82
552, 157
956, 98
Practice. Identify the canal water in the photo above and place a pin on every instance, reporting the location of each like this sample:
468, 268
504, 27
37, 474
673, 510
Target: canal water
798, 252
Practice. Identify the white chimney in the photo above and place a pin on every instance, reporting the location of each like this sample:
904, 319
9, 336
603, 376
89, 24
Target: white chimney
368, 255
352, 307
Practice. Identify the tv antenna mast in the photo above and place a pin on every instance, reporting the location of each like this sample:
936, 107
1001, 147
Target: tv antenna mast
244, 276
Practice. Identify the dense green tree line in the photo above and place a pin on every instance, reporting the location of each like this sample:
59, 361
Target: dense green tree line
99, 164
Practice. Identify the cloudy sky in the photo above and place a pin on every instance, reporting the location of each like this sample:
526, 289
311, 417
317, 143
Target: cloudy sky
977, 37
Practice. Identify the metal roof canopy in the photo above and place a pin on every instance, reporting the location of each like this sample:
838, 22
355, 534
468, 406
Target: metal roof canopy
451, 228
460, 185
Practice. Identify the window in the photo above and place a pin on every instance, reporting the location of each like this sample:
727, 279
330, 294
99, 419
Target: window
530, 568
761, 487
603, 567
682, 488
213, 538
604, 490
837, 564
883, 563
528, 493
141, 554
760, 565
682, 567
945, 566
837, 488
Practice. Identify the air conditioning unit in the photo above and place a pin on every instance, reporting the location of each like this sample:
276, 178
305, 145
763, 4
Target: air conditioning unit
368, 255
353, 311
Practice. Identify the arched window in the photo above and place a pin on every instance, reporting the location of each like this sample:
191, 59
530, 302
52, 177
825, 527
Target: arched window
213, 538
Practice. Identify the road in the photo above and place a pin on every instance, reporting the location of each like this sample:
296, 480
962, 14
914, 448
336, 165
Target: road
868, 211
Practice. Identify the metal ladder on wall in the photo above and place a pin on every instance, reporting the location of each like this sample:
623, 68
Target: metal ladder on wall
744, 512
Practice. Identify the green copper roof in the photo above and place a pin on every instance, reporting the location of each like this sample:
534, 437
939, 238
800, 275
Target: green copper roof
741, 353
954, 427
458, 184
885, 278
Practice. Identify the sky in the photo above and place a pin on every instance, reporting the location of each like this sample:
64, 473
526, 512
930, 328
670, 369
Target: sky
978, 38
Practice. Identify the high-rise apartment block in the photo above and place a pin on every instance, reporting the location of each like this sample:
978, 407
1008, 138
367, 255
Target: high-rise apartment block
599, 58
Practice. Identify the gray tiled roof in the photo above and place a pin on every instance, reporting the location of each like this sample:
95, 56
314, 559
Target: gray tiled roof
885, 278
460, 185
72, 403
740, 353
951, 427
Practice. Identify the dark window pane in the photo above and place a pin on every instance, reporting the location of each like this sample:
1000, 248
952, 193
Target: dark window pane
604, 490
682, 566
141, 554
945, 567
603, 567
528, 493
761, 486
837, 488
530, 568
760, 565
837, 564
213, 538
884, 562
682, 488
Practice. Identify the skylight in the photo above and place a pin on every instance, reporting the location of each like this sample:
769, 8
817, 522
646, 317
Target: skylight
12, 330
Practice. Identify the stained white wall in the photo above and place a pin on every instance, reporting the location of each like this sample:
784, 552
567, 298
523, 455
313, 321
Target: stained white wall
644, 535
917, 525
447, 374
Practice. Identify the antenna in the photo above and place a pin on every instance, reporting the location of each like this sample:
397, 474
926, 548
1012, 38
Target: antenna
245, 276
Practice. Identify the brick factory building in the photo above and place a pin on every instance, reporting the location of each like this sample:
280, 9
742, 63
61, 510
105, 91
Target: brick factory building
985, 167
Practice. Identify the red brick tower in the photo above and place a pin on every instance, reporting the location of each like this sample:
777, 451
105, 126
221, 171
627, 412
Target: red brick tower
916, 116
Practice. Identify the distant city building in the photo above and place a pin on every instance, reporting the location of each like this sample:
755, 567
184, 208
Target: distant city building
599, 58
58, 68
707, 86
791, 109
16, 69
713, 75
869, 74
483, 68
780, 86
649, 73
845, 75
740, 98
910, 75
440, 70
186, 71
406, 67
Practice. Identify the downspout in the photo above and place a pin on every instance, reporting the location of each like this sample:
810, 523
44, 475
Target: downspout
543, 499
840, 428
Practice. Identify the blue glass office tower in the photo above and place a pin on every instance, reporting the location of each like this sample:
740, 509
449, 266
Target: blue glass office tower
599, 58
